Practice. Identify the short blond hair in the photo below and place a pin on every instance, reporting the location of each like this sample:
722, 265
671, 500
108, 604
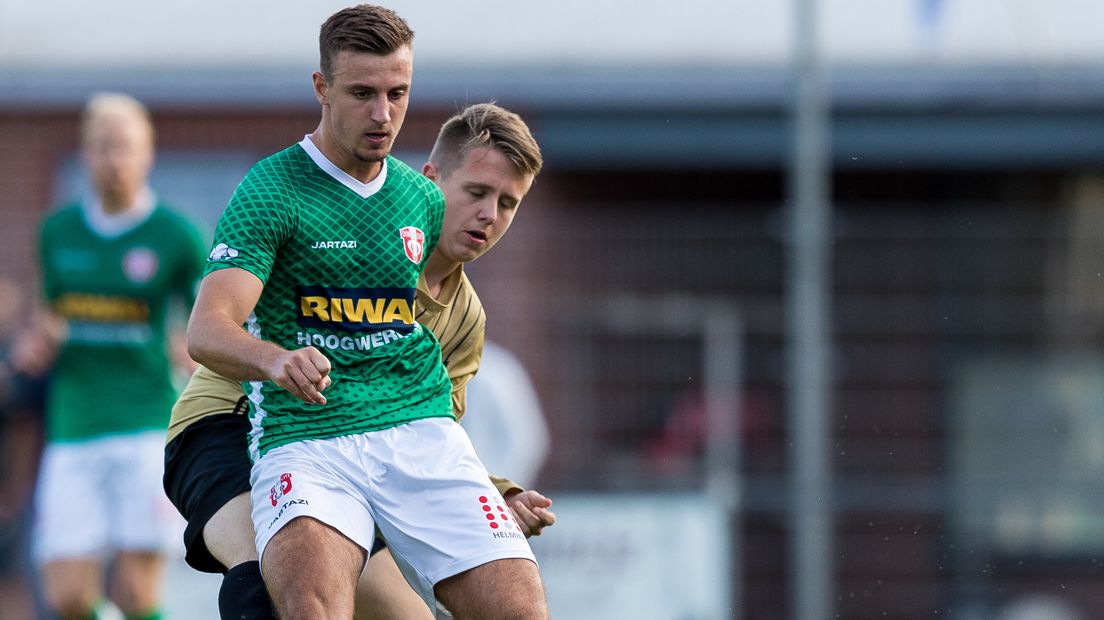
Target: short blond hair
106, 105
486, 124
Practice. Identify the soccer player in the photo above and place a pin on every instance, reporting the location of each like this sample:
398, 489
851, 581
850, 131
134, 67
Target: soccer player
320, 249
111, 266
485, 160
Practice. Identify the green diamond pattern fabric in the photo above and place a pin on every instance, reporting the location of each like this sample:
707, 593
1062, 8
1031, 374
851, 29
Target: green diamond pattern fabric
340, 273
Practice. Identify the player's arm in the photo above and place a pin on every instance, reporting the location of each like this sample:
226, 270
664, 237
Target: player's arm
217, 340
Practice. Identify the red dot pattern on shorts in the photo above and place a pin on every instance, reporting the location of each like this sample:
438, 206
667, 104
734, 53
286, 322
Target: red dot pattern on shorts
490, 514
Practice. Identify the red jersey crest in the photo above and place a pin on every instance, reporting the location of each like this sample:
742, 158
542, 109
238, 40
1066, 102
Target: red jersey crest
413, 243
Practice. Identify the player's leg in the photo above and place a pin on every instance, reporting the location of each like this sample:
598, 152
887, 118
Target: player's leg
207, 478
143, 525
312, 570
71, 587
314, 527
136, 582
384, 594
499, 589
439, 511
229, 538
228, 534
70, 529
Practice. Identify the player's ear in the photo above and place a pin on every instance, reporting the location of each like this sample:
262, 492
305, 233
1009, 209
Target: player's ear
321, 89
429, 171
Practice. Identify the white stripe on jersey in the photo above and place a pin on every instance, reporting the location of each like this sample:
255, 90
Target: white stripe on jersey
256, 397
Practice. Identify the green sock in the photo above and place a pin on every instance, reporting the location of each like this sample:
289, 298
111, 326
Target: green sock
153, 615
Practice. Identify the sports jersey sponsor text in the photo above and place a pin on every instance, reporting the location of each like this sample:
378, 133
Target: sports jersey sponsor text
287, 504
356, 309
101, 308
334, 245
363, 342
105, 320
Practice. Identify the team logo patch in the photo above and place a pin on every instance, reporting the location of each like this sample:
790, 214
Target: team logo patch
280, 489
413, 242
222, 252
140, 265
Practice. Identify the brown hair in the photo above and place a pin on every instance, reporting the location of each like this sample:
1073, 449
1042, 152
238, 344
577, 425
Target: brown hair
362, 28
486, 124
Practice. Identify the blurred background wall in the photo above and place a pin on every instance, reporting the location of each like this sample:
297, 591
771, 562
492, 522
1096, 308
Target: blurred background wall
967, 252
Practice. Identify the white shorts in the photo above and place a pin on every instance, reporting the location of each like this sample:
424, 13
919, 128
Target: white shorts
104, 495
420, 483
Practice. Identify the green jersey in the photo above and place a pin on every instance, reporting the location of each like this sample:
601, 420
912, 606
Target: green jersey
114, 288
340, 261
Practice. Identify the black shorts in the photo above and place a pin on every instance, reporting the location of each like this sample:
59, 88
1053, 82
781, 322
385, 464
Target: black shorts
207, 465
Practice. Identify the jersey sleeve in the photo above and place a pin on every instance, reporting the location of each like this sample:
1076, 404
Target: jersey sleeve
505, 485
256, 222
47, 275
190, 267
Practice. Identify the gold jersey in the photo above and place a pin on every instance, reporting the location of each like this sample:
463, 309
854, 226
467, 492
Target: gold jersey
455, 317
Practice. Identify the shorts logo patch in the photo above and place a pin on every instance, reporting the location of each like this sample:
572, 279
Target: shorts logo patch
497, 516
280, 489
413, 243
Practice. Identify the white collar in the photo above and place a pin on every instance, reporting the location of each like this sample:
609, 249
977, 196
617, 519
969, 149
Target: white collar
111, 225
363, 190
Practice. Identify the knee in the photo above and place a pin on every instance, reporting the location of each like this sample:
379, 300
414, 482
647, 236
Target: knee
479, 593
72, 603
136, 583
133, 598
71, 589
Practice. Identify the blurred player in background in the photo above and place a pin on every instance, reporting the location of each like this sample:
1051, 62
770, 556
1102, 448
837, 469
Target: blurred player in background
22, 399
510, 433
112, 264
320, 249
484, 160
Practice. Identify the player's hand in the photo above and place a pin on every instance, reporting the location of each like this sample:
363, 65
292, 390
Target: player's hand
530, 510
34, 350
303, 372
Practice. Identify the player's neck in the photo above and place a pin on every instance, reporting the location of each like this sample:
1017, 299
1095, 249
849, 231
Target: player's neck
363, 171
112, 207
437, 270
114, 203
